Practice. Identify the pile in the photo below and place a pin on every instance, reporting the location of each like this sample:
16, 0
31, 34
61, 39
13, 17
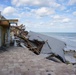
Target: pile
21, 38
38, 43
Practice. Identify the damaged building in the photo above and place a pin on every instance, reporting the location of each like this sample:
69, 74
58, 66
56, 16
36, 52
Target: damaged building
38, 43
5, 30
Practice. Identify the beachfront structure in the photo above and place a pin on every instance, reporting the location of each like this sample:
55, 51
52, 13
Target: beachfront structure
5, 30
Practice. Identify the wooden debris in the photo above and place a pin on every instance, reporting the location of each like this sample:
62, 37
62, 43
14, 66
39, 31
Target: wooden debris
37, 44
34, 45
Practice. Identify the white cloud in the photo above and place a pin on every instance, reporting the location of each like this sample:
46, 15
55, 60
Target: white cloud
71, 2
52, 3
43, 11
65, 20
62, 7
74, 13
60, 19
68, 10
9, 10
23, 14
56, 17
26, 2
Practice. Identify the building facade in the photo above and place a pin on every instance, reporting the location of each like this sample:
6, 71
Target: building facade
5, 30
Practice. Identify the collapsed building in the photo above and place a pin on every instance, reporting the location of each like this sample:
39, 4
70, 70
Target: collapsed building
12, 33
38, 43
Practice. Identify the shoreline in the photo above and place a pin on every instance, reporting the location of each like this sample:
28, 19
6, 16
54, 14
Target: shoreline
68, 39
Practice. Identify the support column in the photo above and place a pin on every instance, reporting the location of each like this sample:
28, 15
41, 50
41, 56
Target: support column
8, 33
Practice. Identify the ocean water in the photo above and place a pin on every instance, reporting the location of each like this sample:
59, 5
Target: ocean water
68, 38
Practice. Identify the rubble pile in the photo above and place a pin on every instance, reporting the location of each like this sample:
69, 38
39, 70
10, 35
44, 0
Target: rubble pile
21, 39
38, 43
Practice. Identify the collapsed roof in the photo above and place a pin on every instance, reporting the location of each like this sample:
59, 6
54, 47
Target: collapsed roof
52, 45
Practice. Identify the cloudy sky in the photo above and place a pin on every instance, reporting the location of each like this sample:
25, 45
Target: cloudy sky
42, 15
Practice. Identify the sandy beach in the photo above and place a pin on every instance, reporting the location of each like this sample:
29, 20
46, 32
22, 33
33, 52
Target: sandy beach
20, 61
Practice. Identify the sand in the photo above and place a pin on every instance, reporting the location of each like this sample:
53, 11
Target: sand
20, 61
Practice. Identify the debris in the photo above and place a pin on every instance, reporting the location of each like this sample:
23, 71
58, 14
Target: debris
38, 43
51, 46
22, 44
15, 44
